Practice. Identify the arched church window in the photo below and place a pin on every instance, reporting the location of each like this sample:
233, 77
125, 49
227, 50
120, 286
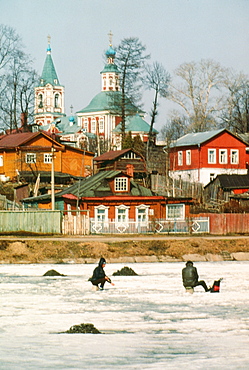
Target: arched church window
56, 101
40, 101
111, 81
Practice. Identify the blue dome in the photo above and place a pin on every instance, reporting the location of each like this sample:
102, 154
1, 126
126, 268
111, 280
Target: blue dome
110, 52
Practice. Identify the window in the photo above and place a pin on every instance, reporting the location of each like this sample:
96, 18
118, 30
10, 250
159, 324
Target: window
180, 158
188, 157
101, 213
1, 160
211, 156
101, 125
222, 156
30, 158
121, 184
175, 211
56, 100
234, 156
47, 157
142, 214
93, 125
40, 104
85, 125
122, 214
212, 176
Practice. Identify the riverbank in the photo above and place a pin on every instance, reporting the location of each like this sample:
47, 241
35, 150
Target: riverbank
123, 251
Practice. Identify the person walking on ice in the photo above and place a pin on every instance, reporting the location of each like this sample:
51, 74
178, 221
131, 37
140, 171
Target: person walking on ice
190, 277
99, 277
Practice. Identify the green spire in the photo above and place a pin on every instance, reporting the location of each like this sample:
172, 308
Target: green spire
49, 74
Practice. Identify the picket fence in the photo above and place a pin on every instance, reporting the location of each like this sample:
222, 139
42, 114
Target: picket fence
79, 223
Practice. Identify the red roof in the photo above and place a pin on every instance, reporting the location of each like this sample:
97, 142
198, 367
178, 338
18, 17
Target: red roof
15, 140
113, 154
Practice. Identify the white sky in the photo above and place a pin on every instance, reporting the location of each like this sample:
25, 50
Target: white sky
174, 32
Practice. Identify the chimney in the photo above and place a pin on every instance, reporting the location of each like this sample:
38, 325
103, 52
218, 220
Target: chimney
130, 169
24, 121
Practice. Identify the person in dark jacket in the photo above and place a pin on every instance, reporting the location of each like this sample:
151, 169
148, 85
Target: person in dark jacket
99, 277
190, 277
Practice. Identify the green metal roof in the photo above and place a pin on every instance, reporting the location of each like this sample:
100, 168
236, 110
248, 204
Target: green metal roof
101, 102
135, 123
49, 74
105, 101
110, 68
94, 186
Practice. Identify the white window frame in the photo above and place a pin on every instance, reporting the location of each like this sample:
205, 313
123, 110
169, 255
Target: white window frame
30, 158
212, 156
122, 218
145, 215
180, 158
171, 213
101, 125
93, 125
101, 214
1, 160
121, 184
188, 157
234, 154
223, 156
47, 157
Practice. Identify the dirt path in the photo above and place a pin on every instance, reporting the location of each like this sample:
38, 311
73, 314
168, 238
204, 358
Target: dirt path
88, 249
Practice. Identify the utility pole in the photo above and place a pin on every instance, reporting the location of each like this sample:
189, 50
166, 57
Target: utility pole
52, 179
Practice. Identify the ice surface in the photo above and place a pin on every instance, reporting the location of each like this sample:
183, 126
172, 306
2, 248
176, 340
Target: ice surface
148, 321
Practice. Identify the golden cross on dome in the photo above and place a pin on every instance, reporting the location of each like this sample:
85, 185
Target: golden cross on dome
110, 34
49, 39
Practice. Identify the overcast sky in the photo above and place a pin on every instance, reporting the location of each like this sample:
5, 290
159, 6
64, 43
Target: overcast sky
174, 32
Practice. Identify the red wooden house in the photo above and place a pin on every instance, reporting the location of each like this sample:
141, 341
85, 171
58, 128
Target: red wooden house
114, 199
200, 157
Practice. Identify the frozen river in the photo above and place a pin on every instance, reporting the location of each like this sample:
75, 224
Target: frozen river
147, 321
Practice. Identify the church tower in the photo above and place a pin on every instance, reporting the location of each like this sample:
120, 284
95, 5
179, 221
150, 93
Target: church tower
110, 73
49, 95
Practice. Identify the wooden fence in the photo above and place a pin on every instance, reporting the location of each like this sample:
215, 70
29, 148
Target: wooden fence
227, 223
42, 222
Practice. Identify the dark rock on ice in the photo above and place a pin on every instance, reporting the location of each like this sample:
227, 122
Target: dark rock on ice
52, 273
125, 271
83, 328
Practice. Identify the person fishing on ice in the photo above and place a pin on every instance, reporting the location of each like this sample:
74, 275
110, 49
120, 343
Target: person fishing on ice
190, 277
99, 276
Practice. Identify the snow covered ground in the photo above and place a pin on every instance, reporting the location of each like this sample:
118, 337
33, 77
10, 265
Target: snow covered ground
147, 321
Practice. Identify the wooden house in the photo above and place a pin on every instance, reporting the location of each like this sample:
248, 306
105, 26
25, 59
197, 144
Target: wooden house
224, 186
201, 156
126, 160
34, 152
113, 196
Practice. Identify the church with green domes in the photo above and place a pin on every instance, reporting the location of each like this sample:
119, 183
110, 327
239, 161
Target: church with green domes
98, 119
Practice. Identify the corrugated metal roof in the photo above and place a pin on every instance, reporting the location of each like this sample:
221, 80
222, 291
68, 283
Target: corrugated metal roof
196, 138
95, 186
233, 181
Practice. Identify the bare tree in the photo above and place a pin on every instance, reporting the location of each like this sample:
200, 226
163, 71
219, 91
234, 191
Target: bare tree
130, 59
9, 43
200, 93
157, 79
236, 114
17, 80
